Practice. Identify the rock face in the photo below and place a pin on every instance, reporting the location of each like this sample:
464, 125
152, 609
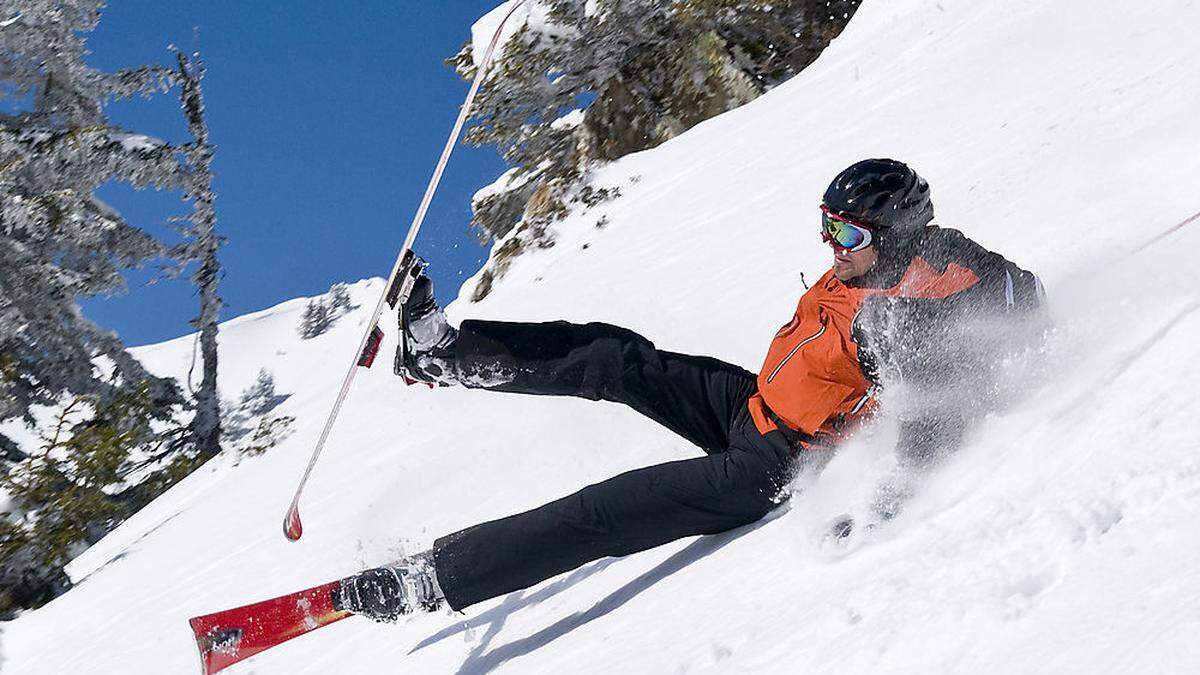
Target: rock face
713, 85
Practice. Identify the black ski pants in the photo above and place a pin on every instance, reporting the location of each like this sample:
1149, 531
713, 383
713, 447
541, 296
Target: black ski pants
702, 399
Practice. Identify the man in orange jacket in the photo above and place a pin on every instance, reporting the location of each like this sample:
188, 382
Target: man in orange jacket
905, 302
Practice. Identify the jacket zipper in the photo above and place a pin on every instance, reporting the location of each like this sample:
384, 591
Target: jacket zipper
793, 353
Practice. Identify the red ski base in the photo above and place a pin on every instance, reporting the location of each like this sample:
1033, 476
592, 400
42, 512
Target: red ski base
224, 638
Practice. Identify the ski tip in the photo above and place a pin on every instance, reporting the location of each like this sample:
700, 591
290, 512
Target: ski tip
234, 635
218, 648
292, 528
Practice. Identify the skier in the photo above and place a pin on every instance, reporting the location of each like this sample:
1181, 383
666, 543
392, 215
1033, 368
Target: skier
905, 301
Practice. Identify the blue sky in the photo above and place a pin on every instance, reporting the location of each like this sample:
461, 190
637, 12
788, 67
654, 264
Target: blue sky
328, 119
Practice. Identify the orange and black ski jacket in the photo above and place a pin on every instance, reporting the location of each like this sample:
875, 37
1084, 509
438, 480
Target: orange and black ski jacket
816, 383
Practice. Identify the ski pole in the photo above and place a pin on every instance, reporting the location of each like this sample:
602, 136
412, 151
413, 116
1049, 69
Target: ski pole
397, 288
1166, 232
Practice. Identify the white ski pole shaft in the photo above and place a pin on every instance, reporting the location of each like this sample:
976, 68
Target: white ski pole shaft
292, 527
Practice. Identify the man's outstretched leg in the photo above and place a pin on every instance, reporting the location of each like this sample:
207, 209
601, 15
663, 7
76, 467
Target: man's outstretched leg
696, 397
632, 512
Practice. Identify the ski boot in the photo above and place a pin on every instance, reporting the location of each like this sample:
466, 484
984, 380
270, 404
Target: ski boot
425, 350
384, 594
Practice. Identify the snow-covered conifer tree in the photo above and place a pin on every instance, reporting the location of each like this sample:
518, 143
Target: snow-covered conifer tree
58, 241
339, 298
260, 398
321, 313
316, 319
201, 248
642, 71
250, 427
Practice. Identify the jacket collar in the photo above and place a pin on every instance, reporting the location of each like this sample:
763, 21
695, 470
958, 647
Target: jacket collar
891, 265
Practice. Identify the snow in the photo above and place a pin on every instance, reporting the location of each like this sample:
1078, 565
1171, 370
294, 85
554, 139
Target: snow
137, 142
530, 14
502, 184
1060, 539
569, 120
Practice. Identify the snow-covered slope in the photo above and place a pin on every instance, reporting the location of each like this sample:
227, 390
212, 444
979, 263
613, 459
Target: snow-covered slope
1062, 538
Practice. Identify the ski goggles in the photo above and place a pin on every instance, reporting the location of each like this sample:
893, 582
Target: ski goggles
841, 232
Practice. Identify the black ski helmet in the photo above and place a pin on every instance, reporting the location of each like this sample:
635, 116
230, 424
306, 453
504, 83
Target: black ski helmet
885, 194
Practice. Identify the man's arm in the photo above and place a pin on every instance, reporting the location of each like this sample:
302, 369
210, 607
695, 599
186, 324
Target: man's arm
942, 352
931, 342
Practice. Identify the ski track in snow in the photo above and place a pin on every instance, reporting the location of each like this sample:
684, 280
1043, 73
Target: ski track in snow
1061, 538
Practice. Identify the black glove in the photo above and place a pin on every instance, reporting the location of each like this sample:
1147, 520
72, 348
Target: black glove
913, 339
873, 331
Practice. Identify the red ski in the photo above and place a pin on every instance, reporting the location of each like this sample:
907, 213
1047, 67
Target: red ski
224, 638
